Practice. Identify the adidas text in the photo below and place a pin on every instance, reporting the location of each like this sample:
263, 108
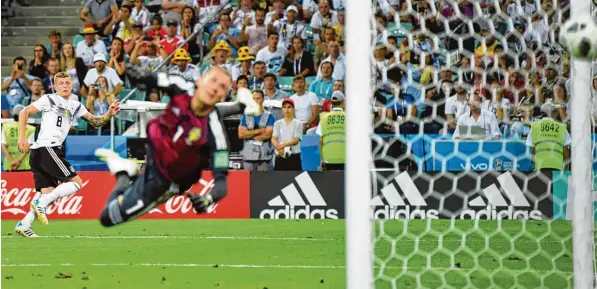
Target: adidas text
405, 213
302, 212
492, 213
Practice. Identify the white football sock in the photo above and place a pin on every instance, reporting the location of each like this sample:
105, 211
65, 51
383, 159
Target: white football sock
63, 190
28, 219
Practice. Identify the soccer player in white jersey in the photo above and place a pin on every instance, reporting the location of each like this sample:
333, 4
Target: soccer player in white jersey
47, 159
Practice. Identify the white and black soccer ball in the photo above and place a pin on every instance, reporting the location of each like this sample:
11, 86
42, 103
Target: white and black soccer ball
579, 36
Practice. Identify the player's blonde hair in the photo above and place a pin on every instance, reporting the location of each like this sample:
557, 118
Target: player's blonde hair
61, 74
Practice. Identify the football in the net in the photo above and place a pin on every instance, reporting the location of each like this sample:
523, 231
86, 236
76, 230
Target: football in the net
579, 35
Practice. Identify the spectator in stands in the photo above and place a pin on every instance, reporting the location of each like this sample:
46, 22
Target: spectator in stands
289, 27
114, 83
99, 100
48, 81
90, 47
340, 29
37, 90
172, 10
243, 63
332, 135
241, 82
323, 86
156, 28
17, 85
286, 137
182, 66
185, 29
75, 66
255, 35
98, 14
477, 118
136, 35
276, 12
244, 15
14, 160
337, 59
117, 58
219, 56
140, 14
456, 105
381, 23
122, 26
424, 113
256, 131
298, 62
154, 95
225, 32
270, 92
37, 67
327, 104
551, 76
561, 100
324, 17
171, 41
256, 80
55, 46
5, 106
321, 46
306, 104
382, 65
272, 55
153, 59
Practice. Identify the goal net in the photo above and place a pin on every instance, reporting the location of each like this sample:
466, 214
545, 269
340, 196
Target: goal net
457, 199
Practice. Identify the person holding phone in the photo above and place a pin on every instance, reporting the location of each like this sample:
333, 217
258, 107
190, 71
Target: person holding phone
18, 84
99, 100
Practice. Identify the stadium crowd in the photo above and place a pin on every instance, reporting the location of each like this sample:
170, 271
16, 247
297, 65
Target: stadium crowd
430, 58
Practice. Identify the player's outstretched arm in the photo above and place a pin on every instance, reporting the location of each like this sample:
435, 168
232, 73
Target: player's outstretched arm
99, 121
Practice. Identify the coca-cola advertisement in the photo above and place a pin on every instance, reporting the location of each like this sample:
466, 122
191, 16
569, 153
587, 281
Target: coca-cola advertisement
18, 191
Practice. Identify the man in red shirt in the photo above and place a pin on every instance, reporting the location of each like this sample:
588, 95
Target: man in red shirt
171, 41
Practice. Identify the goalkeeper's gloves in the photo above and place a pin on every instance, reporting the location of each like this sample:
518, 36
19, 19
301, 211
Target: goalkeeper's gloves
201, 203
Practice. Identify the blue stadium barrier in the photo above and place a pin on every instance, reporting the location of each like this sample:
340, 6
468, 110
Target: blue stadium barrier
310, 156
80, 151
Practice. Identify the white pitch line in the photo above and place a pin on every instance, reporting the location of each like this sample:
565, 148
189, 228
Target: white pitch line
259, 238
187, 237
263, 266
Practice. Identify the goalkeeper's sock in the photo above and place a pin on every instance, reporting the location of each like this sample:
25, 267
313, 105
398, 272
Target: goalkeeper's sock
28, 219
63, 190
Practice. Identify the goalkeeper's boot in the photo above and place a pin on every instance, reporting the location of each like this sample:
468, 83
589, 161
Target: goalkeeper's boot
25, 231
251, 106
40, 212
117, 164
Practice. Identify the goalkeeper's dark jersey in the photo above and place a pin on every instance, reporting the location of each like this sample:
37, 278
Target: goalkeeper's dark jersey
181, 140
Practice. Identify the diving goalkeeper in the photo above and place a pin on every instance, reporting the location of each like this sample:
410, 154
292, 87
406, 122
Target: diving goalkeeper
187, 133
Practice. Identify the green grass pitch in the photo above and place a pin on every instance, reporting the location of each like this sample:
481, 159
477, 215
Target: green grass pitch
285, 254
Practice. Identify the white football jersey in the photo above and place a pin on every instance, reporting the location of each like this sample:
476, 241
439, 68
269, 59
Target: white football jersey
58, 115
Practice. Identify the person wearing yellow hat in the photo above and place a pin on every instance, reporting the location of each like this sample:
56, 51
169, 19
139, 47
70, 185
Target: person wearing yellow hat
219, 55
90, 47
182, 67
243, 64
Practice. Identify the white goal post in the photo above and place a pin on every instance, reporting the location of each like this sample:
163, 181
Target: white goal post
581, 167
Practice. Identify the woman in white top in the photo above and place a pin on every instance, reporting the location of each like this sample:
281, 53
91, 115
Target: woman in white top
74, 65
286, 138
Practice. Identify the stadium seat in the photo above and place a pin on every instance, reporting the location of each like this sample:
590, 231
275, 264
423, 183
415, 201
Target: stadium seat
309, 80
285, 83
25, 101
78, 38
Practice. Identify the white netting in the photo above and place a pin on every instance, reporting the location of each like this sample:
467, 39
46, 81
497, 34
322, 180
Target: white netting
431, 58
